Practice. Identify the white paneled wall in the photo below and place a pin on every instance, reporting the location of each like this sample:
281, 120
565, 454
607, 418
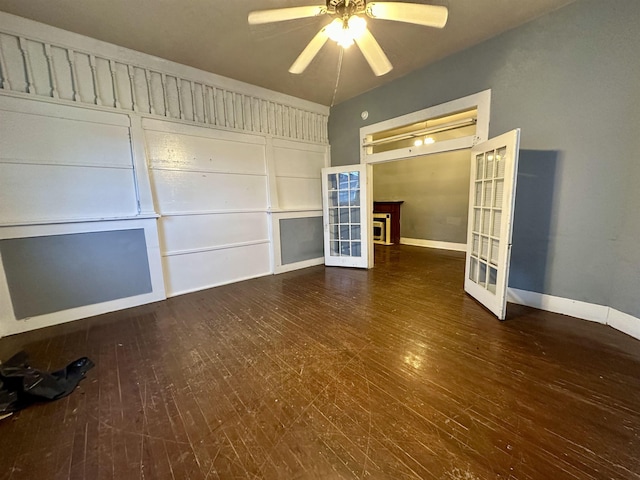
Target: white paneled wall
211, 189
94, 138
297, 172
68, 170
61, 163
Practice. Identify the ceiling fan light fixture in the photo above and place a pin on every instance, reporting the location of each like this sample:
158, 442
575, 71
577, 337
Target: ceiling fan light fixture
344, 33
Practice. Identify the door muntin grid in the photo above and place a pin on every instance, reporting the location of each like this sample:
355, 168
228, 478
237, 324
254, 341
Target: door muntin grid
345, 230
487, 217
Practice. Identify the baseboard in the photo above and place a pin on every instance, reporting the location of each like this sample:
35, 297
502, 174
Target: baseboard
586, 311
419, 242
298, 265
15, 327
624, 322
565, 306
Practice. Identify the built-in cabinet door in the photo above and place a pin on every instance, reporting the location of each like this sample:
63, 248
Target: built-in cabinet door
347, 211
494, 165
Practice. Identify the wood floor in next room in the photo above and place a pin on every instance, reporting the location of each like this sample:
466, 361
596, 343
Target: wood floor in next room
391, 373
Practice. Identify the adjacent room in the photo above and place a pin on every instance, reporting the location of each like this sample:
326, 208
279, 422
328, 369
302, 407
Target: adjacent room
336, 239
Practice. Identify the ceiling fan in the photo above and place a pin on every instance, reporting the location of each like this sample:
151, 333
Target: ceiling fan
349, 27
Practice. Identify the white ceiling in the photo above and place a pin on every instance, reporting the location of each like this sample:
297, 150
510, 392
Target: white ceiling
213, 35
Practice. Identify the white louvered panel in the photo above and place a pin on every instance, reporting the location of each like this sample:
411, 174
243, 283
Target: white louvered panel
43, 192
180, 191
196, 271
188, 152
299, 193
192, 232
44, 139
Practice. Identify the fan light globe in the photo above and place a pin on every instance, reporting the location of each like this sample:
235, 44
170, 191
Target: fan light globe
344, 33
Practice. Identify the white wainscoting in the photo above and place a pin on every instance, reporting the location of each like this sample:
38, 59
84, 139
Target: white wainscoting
92, 132
60, 163
298, 169
195, 271
211, 190
8, 323
66, 170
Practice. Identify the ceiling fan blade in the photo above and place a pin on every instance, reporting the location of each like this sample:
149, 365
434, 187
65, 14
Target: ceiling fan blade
374, 55
310, 51
428, 15
281, 14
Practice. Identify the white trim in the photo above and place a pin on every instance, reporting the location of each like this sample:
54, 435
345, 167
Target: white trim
419, 242
171, 125
187, 213
205, 170
565, 306
480, 100
299, 145
8, 323
426, 149
49, 107
40, 163
282, 211
621, 321
214, 285
144, 192
274, 224
298, 265
60, 221
216, 247
624, 322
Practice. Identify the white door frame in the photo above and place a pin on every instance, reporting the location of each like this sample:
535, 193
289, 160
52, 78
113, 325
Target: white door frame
480, 100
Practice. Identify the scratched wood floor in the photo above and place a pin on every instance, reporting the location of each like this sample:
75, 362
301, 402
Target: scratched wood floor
333, 373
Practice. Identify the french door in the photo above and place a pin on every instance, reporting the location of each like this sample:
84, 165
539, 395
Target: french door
346, 214
494, 165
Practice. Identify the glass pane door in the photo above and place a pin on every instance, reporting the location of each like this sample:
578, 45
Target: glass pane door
346, 216
492, 195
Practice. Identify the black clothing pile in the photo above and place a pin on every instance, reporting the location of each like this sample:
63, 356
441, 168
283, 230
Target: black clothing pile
22, 385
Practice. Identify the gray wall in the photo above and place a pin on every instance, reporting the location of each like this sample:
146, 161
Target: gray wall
58, 272
435, 191
569, 79
301, 239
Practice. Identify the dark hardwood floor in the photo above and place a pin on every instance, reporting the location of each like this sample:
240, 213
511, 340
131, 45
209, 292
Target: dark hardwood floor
333, 373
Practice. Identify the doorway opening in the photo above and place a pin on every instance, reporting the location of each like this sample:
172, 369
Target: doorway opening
422, 162
491, 197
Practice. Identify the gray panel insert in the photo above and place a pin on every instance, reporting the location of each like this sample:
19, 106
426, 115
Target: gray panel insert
301, 239
58, 272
